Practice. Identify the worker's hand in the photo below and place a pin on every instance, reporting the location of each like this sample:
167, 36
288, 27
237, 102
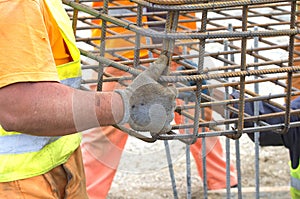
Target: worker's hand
148, 105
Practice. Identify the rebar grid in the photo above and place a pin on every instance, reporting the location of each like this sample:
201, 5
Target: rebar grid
224, 71
245, 46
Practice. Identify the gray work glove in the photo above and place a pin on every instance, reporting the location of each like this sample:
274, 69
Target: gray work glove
148, 105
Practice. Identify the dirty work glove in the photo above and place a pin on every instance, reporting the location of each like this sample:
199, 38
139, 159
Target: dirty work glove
148, 105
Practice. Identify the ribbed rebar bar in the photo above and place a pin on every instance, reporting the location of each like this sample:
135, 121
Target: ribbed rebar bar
202, 6
155, 34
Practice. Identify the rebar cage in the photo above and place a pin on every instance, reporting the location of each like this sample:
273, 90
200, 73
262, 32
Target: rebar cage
220, 46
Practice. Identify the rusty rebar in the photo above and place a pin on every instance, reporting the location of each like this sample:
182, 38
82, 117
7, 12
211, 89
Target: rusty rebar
188, 38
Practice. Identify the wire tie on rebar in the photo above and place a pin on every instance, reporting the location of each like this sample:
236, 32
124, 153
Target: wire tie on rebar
270, 94
100, 13
248, 73
127, 69
128, 25
207, 33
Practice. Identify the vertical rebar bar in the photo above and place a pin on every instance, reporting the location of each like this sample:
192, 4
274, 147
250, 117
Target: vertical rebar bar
136, 59
102, 47
171, 170
227, 141
256, 134
237, 142
171, 26
198, 101
240, 125
188, 172
238, 168
198, 92
290, 74
75, 17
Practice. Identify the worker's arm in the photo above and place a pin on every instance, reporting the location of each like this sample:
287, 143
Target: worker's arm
50, 108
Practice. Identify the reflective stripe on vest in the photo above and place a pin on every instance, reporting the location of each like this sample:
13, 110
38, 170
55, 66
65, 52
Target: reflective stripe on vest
26, 165
36, 154
295, 183
25, 143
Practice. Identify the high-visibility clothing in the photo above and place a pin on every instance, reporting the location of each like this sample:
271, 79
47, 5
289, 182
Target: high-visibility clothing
46, 23
64, 181
69, 73
295, 182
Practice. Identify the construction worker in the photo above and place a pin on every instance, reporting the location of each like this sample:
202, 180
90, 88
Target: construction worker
102, 147
37, 52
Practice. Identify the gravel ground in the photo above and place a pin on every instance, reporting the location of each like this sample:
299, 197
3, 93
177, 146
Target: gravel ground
143, 171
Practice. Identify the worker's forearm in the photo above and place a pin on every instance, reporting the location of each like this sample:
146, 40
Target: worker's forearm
49, 108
